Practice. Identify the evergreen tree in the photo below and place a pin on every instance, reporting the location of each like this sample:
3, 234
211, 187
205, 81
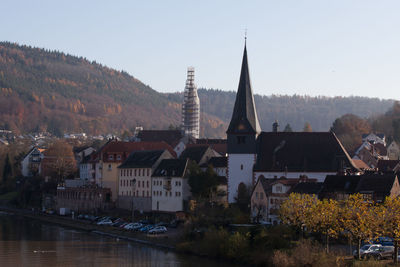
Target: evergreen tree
288, 128
7, 170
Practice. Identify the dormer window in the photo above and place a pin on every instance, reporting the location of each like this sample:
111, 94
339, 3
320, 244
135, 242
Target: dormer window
110, 157
118, 157
241, 139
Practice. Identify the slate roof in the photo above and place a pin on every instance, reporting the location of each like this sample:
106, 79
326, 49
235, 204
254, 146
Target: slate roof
194, 152
219, 145
308, 188
301, 152
387, 165
340, 183
141, 159
219, 162
171, 168
244, 111
377, 183
171, 137
128, 147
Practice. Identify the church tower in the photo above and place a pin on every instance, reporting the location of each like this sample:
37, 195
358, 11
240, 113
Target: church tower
191, 107
242, 134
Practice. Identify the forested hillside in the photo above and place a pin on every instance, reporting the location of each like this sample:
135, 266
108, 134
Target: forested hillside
296, 110
42, 90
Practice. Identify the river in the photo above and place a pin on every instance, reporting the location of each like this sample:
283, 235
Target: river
26, 242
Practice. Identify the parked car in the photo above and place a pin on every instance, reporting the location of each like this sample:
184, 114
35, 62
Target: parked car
146, 228
137, 226
384, 252
158, 230
105, 222
133, 226
366, 249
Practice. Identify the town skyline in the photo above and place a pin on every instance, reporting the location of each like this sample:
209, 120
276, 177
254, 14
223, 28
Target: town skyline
309, 48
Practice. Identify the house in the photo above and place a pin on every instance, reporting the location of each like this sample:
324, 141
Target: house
81, 152
134, 179
201, 154
309, 188
377, 187
30, 164
113, 154
253, 153
393, 151
268, 195
374, 138
86, 171
170, 186
339, 187
219, 165
388, 165
219, 145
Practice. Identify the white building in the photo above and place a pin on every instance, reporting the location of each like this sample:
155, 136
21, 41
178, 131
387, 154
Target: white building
170, 188
30, 164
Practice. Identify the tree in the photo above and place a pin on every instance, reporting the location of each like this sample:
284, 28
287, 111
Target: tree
202, 184
324, 219
243, 197
391, 222
358, 219
297, 209
288, 128
307, 127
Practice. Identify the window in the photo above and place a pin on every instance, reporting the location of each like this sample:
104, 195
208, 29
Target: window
261, 195
166, 193
143, 193
272, 201
137, 193
154, 182
241, 139
278, 188
147, 184
130, 172
241, 166
256, 194
118, 157
121, 172
135, 172
147, 193
121, 182
143, 184
110, 157
109, 167
148, 172
138, 184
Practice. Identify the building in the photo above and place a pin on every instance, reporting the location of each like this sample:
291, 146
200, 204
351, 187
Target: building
30, 164
114, 153
201, 154
134, 179
393, 151
170, 186
191, 107
252, 153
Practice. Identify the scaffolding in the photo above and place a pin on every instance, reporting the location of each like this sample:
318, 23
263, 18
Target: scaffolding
191, 107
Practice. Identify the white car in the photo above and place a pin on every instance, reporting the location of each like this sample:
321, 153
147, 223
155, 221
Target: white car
132, 226
366, 249
158, 230
105, 222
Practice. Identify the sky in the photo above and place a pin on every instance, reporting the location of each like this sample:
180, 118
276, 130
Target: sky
303, 47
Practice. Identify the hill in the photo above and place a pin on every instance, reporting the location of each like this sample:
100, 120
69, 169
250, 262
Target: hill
42, 90
296, 110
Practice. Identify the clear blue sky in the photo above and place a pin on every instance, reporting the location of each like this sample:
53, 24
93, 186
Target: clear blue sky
313, 47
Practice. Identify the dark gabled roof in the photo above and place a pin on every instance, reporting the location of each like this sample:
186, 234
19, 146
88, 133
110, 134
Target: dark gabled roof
171, 137
86, 159
266, 183
387, 165
171, 168
301, 152
381, 185
78, 149
219, 145
218, 162
340, 183
244, 116
194, 152
308, 188
142, 159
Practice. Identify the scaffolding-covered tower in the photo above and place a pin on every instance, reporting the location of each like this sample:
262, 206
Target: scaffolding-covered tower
191, 107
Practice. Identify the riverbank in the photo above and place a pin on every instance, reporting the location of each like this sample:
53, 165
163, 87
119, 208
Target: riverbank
164, 241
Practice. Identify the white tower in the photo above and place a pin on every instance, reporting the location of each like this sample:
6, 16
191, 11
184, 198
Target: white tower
191, 107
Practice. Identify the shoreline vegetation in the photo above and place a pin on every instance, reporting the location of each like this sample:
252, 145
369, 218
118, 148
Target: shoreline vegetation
252, 246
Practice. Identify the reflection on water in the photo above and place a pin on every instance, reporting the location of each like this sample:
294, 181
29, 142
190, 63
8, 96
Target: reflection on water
25, 242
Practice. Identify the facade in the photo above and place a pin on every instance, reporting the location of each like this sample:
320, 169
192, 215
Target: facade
393, 151
170, 189
113, 154
191, 107
30, 164
84, 199
134, 180
201, 154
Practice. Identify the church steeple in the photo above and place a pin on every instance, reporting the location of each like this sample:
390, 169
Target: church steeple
244, 118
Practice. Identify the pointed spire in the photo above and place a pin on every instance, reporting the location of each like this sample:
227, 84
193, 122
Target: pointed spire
244, 117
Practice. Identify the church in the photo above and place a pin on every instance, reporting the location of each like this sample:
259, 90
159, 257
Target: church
253, 153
